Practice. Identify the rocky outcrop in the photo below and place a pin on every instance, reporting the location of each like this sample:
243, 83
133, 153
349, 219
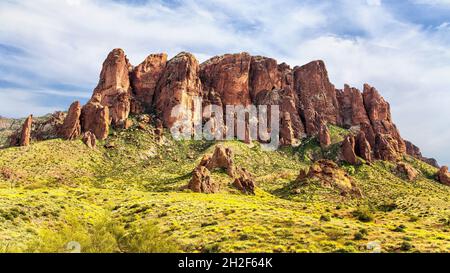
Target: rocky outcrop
95, 118
113, 90
348, 150
222, 158
201, 181
48, 127
324, 136
385, 148
351, 107
25, 135
315, 93
331, 176
414, 151
178, 85
379, 113
406, 170
144, 80
362, 147
71, 127
443, 176
265, 75
245, 182
228, 76
89, 139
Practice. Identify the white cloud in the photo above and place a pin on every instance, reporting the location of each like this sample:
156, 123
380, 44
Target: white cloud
361, 41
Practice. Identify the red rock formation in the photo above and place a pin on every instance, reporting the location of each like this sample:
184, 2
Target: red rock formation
315, 93
331, 176
379, 113
201, 181
443, 176
414, 151
95, 118
25, 136
409, 172
324, 136
348, 150
228, 76
264, 75
89, 139
291, 126
178, 85
245, 182
362, 147
222, 158
286, 130
144, 80
351, 107
385, 148
71, 127
113, 89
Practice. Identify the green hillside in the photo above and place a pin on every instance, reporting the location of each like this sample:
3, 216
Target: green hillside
129, 197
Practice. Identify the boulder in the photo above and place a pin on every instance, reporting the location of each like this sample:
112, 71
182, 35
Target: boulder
89, 139
443, 176
71, 127
406, 170
245, 182
201, 181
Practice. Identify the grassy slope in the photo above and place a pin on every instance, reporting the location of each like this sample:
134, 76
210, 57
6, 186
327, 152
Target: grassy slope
139, 180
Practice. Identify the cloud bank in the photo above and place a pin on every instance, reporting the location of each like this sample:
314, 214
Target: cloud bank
51, 50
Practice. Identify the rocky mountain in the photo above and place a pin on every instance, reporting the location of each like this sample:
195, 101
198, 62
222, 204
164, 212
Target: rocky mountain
342, 178
307, 98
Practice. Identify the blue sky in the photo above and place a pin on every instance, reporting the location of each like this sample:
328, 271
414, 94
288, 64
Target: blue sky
51, 50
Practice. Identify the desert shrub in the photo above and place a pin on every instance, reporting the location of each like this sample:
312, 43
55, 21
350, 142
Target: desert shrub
97, 237
363, 215
325, 218
102, 235
387, 207
406, 246
145, 238
400, 228
358, 236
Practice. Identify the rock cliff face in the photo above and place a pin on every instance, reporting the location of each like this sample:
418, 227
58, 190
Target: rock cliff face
307, 100
316, 94
113, 90
228, 76
144, 80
